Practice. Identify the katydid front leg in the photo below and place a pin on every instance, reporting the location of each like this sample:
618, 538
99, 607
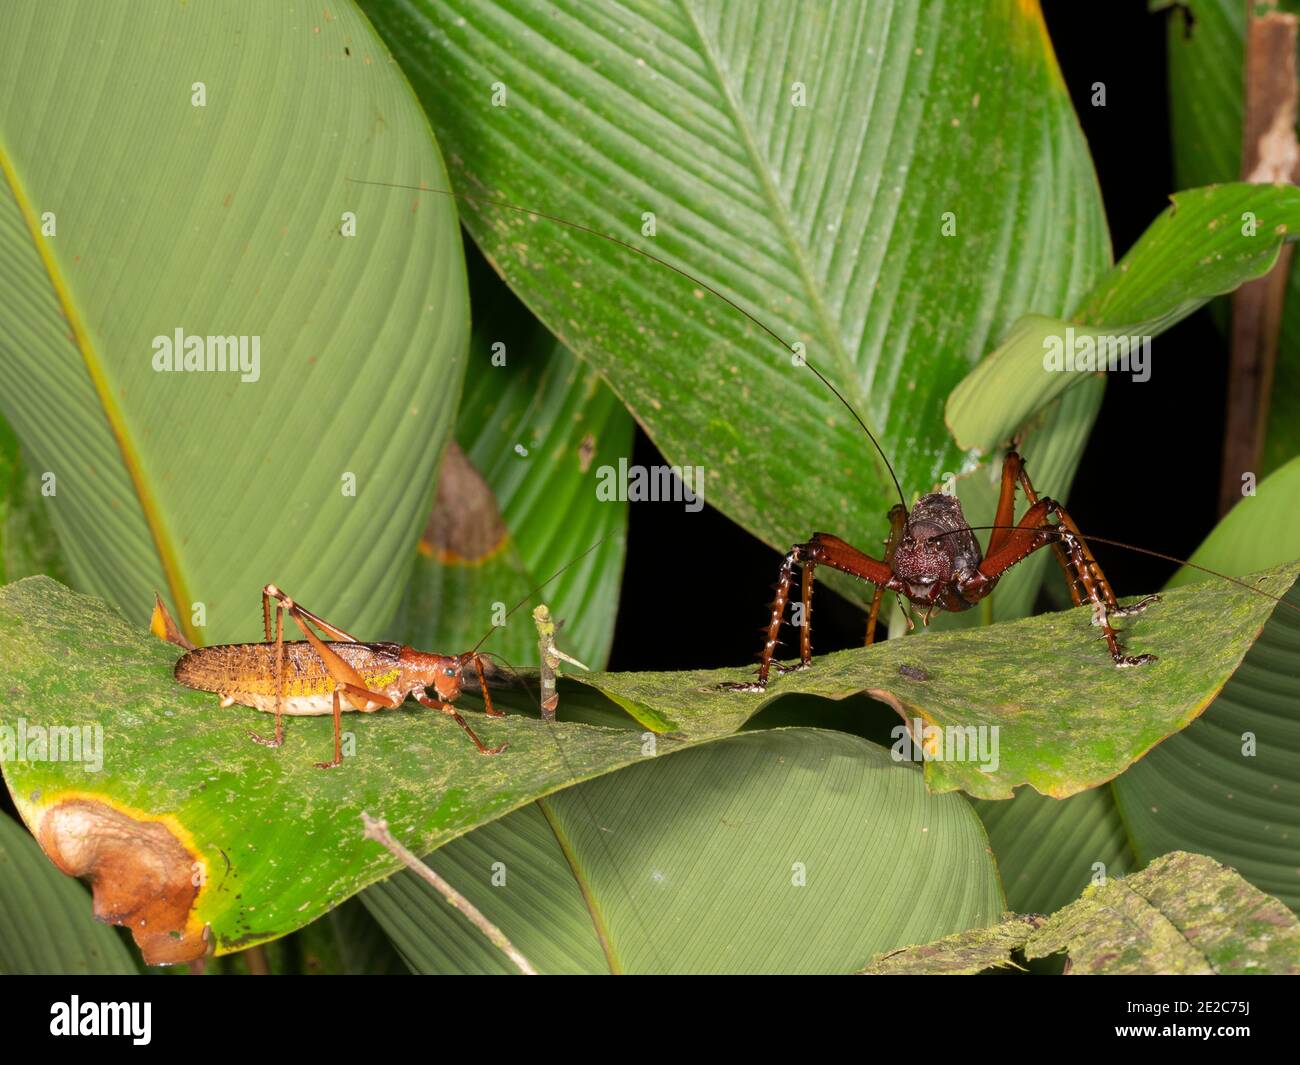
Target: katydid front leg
437, 704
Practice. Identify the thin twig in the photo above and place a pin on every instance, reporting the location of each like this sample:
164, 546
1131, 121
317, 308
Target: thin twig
377, 829
551, 657
1269, 154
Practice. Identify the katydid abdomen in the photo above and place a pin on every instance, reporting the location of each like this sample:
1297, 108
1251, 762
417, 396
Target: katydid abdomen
245, 673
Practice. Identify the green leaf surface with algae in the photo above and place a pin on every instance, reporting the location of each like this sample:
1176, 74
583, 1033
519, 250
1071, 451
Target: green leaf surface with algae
246, 844
1066, 719
1183, 914
160, 796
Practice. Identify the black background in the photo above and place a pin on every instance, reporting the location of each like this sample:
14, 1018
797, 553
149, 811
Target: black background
696, 585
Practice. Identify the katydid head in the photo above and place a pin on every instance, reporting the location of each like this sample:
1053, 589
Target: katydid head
936, 545
444, 676
922, 562
443, 673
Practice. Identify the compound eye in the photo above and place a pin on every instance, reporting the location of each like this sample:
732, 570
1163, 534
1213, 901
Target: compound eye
449, 671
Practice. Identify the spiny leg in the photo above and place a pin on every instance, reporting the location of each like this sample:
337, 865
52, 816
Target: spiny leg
806, 577
1074, 565
877, 598
1088, 568
805, 635
774, 625
1004, 521
279, 677
1097, 591
824, 550
1013, 473
1035, 531
436, 704
897, 526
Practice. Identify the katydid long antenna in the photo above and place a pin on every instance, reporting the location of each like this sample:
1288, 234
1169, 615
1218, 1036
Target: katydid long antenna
529, 596
802, 358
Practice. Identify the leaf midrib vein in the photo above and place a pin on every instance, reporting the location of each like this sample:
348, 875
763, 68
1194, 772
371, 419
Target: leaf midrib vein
825, 322
112, 414
584, 886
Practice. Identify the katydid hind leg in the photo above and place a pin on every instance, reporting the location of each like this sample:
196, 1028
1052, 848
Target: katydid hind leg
347, 680
338, 669
1088, 584
806, 580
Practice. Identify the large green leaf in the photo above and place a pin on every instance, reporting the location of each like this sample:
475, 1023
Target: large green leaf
1210, 241
1206, 48
519, 501
826, 221
790, 850
127, 212
536, 901
1185, 914
1229, 785
1036, 701
45, 920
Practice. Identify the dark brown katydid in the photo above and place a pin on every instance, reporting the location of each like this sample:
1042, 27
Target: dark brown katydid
931, 555
312, 677
933, 559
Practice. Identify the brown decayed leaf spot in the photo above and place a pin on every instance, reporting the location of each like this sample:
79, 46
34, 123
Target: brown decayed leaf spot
142, 876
